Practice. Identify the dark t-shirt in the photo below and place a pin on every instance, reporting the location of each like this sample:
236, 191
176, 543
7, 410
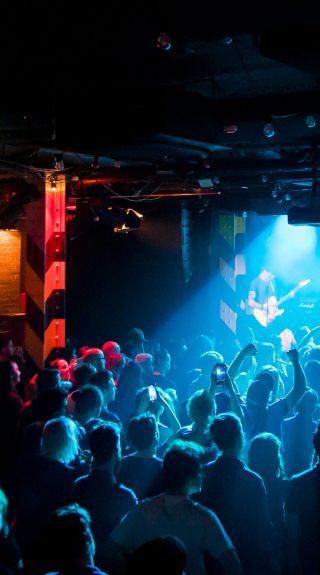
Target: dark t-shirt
142, 474
303, 500
261, 420
79, 570
160, 381
210, 450
106, 501
43, 485
107, 415
297, 443
238, 496
262, 289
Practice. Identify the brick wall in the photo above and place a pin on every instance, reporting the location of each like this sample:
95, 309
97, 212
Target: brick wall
10, 254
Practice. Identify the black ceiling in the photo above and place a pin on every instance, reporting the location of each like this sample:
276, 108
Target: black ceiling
90, 82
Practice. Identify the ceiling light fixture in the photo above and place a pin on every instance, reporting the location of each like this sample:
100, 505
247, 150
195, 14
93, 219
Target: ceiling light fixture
164, 42
311, 122
268, 130
95, 163
53, 185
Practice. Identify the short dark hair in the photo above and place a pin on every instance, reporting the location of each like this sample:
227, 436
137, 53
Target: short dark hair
180, 463
225, 430
83, 374
51, 402
264, 455
103, 442
165, 554
259, 390
102, 379
47, 378
142, 431
68, 535
160, 357
86, 399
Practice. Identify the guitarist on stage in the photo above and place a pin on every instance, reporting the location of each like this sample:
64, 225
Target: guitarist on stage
261, 289
261, 293
263, 305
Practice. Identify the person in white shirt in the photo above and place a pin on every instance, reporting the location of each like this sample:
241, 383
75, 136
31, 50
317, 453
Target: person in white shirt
173, 513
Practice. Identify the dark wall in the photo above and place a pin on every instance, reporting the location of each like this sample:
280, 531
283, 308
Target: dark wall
115, 282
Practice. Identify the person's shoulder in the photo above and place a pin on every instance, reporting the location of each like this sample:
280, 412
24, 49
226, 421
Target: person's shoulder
15, 398
126, 459
306, 475
252, 476
124, 492
289, 421
202, 514
111, 416
80, 483
279, 405
209, 468
184, 431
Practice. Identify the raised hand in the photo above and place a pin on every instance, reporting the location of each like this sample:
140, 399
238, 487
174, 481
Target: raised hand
249, 350
293, 355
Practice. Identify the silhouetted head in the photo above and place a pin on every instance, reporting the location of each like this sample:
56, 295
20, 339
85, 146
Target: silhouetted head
142, 431
182, 467
69, 537
164, 555
264, 455
226, 432
104, 443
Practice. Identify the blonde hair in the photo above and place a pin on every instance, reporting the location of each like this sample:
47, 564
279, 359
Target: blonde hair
60, 439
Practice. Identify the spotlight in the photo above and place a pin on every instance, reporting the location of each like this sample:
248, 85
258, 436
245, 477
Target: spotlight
58, 162
274, 193
230, 129
287, 197
311, 122
268, 130
131, 221
53, 185
227, 40
164, 42
95, 163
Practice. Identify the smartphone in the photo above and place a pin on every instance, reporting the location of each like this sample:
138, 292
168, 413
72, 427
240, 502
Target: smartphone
152, 392
219, 372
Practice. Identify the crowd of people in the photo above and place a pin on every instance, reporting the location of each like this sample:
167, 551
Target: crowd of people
139, 458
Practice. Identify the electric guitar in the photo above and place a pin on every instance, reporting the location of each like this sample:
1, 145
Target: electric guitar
271, 310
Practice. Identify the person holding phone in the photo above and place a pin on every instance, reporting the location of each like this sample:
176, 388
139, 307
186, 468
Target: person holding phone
153, 399
201, 409
222, 385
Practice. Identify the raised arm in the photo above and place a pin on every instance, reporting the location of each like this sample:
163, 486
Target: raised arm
173, 421
249, 350
235, 402
299, 379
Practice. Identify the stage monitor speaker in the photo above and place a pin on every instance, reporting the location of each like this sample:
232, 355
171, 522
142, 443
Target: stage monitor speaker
305, 216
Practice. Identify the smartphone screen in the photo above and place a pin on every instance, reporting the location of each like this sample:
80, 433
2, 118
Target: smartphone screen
152, 393
219, 372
